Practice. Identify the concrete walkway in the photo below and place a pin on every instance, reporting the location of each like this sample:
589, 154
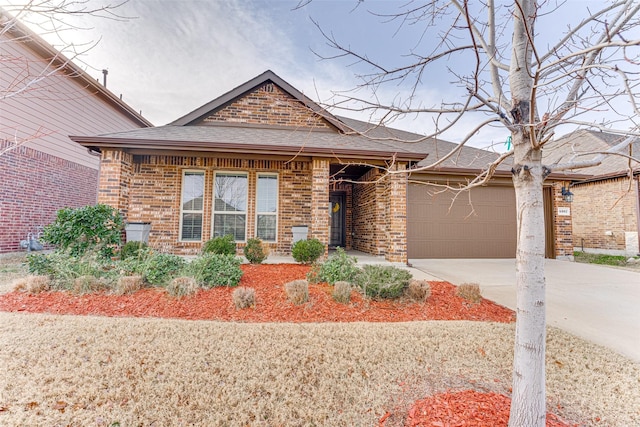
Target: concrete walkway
597, 303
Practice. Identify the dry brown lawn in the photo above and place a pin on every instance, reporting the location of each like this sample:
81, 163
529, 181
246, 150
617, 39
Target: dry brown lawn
97, 371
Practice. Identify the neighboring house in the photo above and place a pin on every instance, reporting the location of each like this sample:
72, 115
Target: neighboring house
264, 158
43, 99
606, 204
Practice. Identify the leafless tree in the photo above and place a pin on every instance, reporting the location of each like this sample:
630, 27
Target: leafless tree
529, 87
46, 17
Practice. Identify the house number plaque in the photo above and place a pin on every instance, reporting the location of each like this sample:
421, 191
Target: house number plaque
564, 211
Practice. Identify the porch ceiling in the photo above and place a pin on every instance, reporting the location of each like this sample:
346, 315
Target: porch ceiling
347, 172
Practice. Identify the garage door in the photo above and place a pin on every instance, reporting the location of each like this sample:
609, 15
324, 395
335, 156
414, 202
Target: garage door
484, 228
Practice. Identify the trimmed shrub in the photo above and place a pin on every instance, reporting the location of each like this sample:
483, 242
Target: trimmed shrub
419, 290
342, 292
381, 281
470, 292
182, 286
244, 297
158, 269
129, 284
338, 267
224, 245
212, 270
307, 251
297, 291
88, 284
133, 249
255, 251
87, 228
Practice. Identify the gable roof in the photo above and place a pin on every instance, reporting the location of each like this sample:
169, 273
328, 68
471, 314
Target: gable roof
585, 144
247, 87
21, 33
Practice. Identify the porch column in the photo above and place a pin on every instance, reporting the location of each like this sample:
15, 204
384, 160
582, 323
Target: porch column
562, 223
320, 201
116, 169
397, 216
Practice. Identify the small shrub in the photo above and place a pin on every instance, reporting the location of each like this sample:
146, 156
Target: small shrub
158, 269
64, 268
342, 292
129, 284
255, 251
244, 297
419, 290
88, 284
133, 249
87, 228
307, 251
224, 245
338, 267
470, 292
380, 281
33, 284
297, 291
215, 270
182, 286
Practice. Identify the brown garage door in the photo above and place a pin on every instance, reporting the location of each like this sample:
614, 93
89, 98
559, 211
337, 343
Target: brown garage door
485, 229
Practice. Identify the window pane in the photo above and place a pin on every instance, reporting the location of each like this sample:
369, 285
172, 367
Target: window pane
266, 229
230, 193
233, 224
192, 191
267, 193
191, 226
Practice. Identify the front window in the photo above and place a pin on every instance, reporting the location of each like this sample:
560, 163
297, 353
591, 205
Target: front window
230, 205
192, 206
267, 207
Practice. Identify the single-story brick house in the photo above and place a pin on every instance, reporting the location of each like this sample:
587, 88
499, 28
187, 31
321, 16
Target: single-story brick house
606, 202
264, 158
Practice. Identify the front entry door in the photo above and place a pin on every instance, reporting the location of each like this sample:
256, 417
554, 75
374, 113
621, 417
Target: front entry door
337, 231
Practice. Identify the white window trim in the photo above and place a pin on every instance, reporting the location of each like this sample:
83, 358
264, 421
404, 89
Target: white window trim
213, 202
276, 213
182, 211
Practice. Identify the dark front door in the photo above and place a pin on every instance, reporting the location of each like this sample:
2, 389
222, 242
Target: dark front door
337, 231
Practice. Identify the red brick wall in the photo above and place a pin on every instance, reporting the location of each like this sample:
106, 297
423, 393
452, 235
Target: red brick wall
33, 186
368, 217
562, 224
270, 105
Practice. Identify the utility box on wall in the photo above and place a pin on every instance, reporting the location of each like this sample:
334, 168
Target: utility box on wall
138, 231
300, 232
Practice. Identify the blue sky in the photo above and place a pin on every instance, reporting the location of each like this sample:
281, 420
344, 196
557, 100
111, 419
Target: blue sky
172, 56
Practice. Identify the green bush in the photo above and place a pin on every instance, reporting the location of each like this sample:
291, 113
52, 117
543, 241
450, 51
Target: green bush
339, 267
212, 270
64, 268
155, 268
90, 227
380, 281
254, 251
307, 251
133, 249
224, 245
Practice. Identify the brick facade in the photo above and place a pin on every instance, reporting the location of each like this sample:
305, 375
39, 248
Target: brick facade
40, 185
319, 226
605, 216
562, 224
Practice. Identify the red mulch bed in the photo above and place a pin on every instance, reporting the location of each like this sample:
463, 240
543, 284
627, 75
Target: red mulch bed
466, 408
271, 303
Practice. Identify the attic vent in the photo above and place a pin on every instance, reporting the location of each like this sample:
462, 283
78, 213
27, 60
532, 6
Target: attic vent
268, 87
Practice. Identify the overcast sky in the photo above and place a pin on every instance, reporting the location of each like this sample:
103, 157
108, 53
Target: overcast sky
172, 56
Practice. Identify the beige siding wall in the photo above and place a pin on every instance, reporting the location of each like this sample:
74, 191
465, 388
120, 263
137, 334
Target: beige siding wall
53, 109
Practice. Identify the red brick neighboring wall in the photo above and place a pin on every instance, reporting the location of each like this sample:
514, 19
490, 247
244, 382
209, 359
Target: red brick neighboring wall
603, 212
369, 214
268, 105
320, 219
33, 186
396, 215
562, 224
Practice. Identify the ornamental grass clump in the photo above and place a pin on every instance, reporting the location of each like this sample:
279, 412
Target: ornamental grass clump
342, 292
244, 297
418, 290
128, 285
88, 284
383, 282
182, 286
470, 292
33, 284
297, 291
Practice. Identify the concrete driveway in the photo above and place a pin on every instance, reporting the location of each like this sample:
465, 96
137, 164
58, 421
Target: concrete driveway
598, 303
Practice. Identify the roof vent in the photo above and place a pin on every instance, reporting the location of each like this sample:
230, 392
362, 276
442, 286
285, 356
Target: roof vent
268, 87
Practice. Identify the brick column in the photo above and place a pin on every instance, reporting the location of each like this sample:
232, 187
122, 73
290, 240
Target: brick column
116, 169
397, 216
562, 223
320, 200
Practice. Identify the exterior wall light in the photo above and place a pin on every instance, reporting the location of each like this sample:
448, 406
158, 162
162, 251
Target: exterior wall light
567, 195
